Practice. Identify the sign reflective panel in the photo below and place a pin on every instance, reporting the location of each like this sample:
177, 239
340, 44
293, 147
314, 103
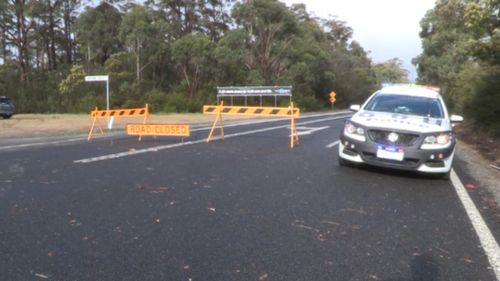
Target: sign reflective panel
158, 130
96, 78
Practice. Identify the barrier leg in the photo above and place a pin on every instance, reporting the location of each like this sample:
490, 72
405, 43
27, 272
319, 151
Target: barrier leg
221, 127
146, 115
219, 116
92, 127
294, 137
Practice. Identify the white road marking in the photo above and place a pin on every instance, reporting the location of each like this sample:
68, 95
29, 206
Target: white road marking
56, 142
202, 128
487, 240
163, 147
332, 144
302, 131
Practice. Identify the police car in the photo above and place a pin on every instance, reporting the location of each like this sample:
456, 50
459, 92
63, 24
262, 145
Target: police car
403, 127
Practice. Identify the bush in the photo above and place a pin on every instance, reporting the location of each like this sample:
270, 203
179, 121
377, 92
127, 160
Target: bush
308, 103
483, 106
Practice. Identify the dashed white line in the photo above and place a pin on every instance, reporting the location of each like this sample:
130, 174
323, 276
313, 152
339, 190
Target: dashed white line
332, 144
487, 240
302, 131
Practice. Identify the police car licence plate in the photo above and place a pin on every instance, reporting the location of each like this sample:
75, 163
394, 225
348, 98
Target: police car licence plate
391, 154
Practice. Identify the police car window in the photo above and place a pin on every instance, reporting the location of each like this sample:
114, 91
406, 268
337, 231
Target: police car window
410, 105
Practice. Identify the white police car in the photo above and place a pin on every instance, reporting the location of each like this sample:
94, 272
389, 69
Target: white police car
403, 127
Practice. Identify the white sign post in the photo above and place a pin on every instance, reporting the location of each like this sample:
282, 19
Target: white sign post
102, 78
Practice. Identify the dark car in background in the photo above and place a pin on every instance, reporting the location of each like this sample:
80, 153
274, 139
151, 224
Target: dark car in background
6, 107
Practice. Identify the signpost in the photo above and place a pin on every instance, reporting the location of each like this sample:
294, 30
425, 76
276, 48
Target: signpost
102, 78
332, 98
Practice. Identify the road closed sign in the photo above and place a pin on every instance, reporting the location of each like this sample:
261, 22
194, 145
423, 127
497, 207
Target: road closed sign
176, 130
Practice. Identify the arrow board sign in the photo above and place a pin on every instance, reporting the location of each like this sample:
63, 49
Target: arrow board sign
96, 78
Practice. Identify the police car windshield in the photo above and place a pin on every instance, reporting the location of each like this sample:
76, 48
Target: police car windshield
411, 105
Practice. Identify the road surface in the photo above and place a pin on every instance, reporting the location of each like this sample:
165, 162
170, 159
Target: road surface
244, 208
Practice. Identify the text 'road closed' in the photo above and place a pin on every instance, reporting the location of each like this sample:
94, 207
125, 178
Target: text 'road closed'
158, 130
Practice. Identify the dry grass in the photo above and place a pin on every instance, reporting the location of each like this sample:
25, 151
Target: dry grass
42, 125
486, 145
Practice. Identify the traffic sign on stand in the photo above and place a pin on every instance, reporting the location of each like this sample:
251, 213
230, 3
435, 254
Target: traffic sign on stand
332, 98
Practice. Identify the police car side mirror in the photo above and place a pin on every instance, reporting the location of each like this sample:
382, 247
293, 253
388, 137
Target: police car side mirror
456, 119
355, 107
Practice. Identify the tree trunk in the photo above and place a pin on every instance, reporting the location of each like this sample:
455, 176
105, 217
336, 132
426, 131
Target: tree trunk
52, 37
22, 40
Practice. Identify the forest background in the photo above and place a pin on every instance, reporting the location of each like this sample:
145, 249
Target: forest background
173, 54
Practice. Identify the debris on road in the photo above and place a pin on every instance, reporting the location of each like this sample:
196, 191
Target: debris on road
471, 186
155, 190
495, 166
75, 223
211, 209
360, 211
263, 277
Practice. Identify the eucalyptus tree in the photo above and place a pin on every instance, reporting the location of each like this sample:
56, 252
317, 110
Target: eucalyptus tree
17, 24
138, 32
483, 20
69, 12
184, 17
391, 71
445, 46
271, 30
193, 56
97, 33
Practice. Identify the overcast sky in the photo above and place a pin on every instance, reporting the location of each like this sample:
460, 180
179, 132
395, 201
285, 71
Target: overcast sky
385, 28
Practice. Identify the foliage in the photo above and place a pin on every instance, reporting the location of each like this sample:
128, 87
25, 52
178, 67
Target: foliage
461, 54
173, 54
97, 31
391, 71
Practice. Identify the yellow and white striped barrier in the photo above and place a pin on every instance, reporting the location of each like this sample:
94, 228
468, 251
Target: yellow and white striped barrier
117, 113
220, 110
251, 110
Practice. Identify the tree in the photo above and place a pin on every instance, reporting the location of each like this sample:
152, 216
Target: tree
270, 28
192, 55
483, 20
137, 31
97, 31
391, 71
17, 23
69, 10
445, 47
230, 57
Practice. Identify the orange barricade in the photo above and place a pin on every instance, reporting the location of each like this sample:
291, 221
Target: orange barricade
220, 110
117, 113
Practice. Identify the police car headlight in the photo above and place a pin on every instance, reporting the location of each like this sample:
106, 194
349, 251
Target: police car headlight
355, 132
437, 141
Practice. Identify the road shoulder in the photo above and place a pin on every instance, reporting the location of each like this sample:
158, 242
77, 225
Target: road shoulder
479, 168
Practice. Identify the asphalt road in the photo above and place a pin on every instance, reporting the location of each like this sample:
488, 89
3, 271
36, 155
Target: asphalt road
244, 208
